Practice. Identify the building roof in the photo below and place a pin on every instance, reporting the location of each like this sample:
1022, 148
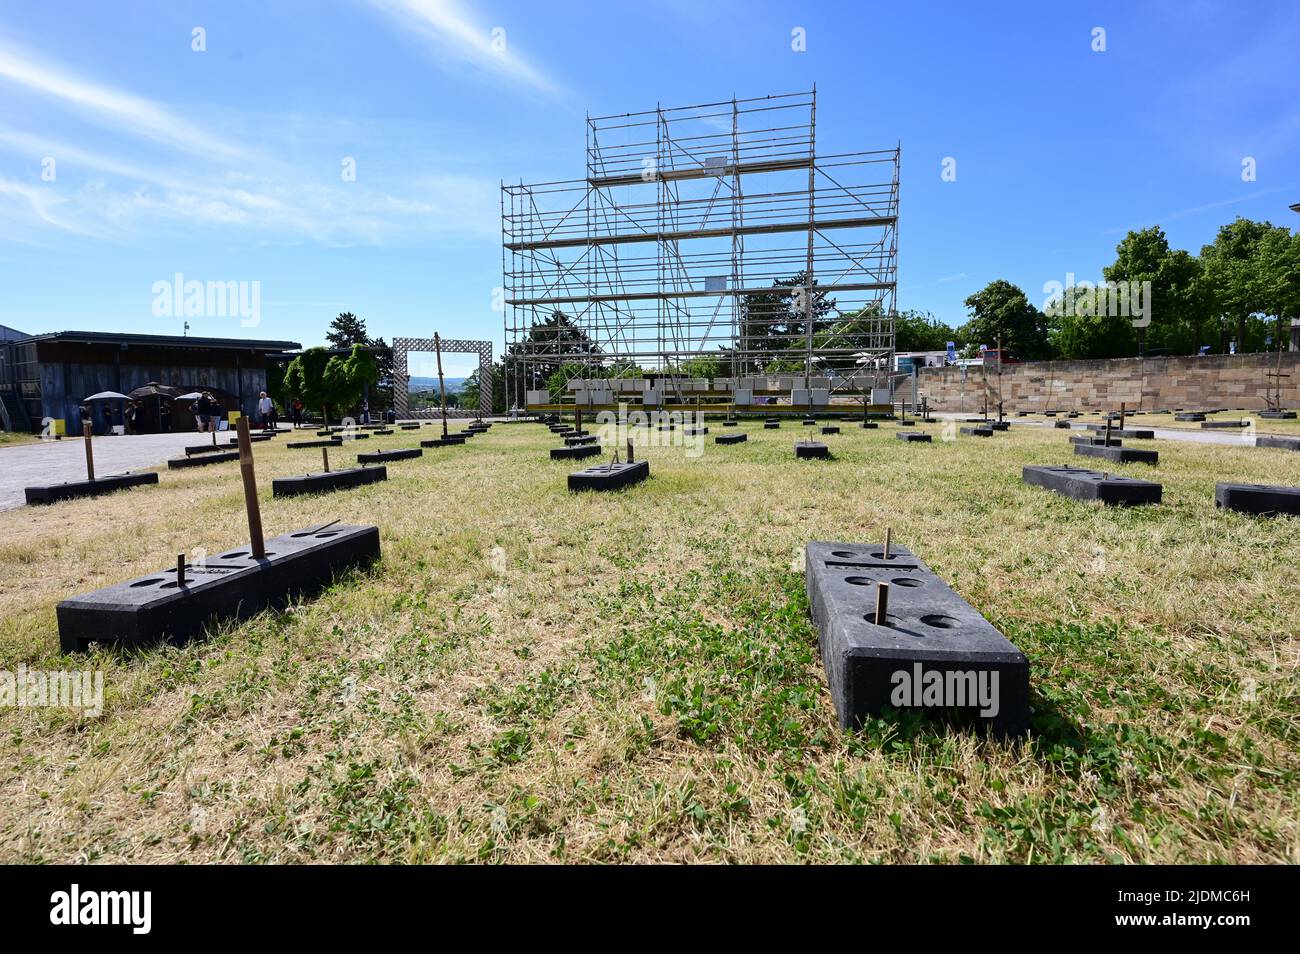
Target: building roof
165, 341
11, 334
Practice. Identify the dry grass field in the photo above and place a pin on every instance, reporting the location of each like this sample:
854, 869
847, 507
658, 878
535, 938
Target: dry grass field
530, 675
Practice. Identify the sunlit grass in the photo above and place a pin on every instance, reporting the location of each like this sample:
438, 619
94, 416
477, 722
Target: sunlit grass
533, 675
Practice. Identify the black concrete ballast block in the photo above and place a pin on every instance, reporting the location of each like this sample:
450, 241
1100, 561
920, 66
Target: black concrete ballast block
934, 652
409, 427
575, 451
1092, 439
254, 438
695, 431
730, 423
581, 439
51, 493
225, 456
382, 431
327, 480
869, 425
731, 438
1062, 425
1080, 484
325, 433
1136, 434
914, 437
771, 425
203, 449
830, 429
229, 586
1118, 455
1223, 424
1000, 425
383, 457
977, 431
451, 440
1278, 442
331, 442
1277, 415
610, 476
1265, 500
809, 449
1189, 417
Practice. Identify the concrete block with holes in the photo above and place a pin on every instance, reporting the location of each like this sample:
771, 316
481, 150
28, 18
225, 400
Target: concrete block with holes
934, 651
228, 586
327, 480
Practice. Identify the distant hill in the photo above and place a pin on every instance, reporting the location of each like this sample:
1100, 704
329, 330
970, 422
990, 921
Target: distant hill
431, 384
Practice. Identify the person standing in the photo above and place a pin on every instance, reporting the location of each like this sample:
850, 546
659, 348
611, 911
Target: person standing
265, 409
297, 412
202, 411
218, 414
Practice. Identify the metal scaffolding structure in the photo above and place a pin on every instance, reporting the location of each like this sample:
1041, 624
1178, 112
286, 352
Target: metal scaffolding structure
715, 232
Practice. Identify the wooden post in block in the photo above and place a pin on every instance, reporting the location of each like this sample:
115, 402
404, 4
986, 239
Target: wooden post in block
1108, 429
631, 459
325, 458
90, 453
889, 538
256, 542
1123, 409
577, 418
882, 603
442, 389
180, 569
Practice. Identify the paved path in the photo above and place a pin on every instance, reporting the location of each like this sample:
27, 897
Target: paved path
53, 462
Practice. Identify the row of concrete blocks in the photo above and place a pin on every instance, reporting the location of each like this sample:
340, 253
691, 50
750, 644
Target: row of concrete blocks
1088, 485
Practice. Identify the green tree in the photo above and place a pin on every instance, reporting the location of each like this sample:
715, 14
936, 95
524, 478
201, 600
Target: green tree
552, 344
1086, 331
774, 323
1176, 302
329, 382
921, 331
470, 389
1246, 274
1000, 310
348, 330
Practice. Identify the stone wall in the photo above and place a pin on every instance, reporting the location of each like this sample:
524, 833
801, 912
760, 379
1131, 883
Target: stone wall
1149, 384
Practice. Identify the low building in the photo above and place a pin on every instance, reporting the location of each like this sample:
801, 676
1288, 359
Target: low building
45, 378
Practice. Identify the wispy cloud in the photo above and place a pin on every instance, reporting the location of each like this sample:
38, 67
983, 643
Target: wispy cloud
1243, 199
458, 41
951, 278
111, 108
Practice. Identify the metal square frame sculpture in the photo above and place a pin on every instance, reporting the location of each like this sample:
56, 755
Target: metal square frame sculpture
401, 378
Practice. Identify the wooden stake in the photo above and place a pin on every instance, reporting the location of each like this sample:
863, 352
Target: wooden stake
889, 538
437, 348
325, 458
1123, 408
257, 543
882, 603
577, 419
90, 453
180, 569
630, 458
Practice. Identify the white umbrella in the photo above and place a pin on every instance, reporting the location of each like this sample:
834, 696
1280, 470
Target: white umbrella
108, 396
192, 396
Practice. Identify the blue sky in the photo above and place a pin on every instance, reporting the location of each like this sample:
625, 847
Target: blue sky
226, 164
